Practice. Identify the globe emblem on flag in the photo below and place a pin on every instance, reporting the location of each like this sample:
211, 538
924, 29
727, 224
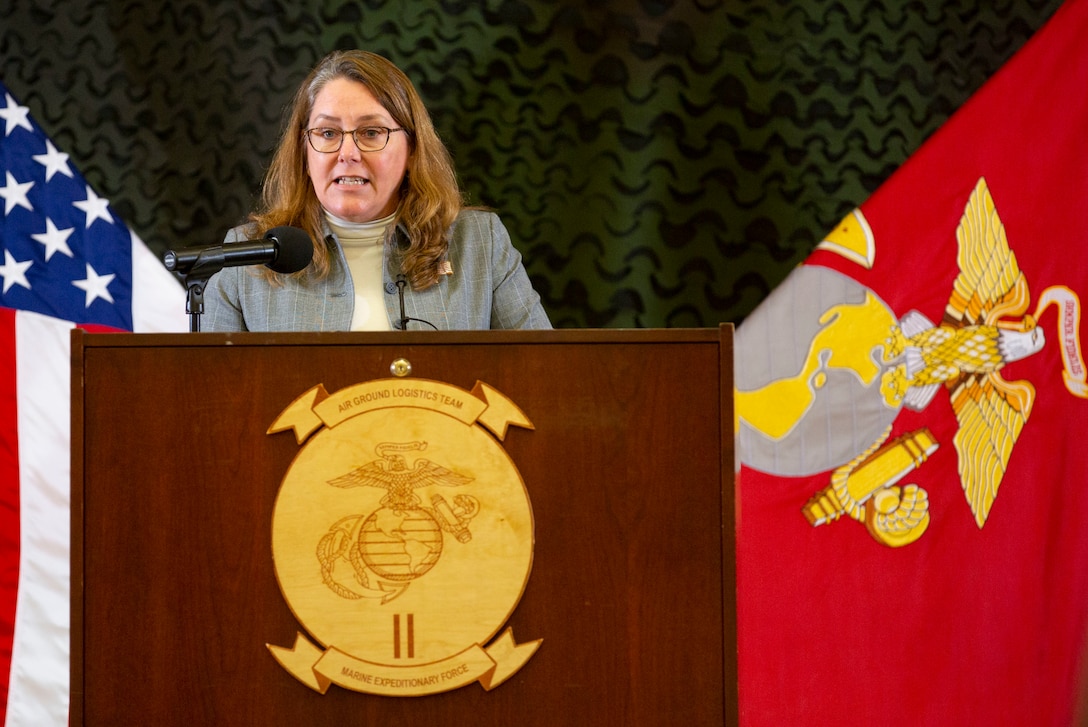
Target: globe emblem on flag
824, 394
400, 545
812, 363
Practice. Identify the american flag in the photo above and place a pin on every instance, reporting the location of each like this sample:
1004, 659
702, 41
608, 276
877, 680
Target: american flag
67, 260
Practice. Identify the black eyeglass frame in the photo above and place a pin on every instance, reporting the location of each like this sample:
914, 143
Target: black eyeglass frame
344, 132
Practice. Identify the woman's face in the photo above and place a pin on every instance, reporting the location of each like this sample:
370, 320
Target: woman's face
353, 185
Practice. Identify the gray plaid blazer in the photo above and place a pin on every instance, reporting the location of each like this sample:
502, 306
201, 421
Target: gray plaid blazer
488, 288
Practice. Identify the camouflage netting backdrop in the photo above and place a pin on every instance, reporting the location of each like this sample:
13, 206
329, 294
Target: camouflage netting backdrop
659, 163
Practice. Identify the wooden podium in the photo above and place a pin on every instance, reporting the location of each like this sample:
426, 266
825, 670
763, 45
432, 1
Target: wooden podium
629, 469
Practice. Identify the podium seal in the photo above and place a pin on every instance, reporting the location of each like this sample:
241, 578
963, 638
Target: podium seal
402, 538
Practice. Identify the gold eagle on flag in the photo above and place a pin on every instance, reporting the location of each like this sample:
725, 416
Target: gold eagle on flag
967, 351
984, 327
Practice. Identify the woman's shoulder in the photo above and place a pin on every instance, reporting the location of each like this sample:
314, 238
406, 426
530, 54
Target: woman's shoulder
243, 232
476, 222
476, 215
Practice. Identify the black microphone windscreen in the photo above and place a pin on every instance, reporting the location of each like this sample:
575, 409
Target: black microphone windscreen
294, 249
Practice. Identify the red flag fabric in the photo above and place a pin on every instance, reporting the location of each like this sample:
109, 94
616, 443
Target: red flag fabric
67, 261
911, 401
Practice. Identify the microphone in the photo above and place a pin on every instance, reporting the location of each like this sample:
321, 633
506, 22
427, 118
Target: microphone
283, 249
402, 324
401, 282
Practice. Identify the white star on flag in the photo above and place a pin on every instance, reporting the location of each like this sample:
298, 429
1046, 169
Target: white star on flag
54, 161
14, 193
15, 115
95, 207
48, 208
54, 240
95, 285
14, 272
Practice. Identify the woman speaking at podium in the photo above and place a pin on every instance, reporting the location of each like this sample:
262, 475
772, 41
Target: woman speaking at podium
361, 170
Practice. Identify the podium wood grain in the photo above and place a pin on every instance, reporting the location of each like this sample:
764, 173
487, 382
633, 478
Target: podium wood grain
629, 471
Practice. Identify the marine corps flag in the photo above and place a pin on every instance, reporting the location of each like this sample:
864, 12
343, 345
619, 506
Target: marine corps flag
912, 541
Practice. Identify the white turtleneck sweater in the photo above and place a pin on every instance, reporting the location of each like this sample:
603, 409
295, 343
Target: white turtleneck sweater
363, 244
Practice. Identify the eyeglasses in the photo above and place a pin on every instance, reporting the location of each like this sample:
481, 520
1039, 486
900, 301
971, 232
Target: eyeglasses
368, 138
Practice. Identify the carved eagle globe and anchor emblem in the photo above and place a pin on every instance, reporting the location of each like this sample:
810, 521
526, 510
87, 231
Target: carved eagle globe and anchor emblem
402, 538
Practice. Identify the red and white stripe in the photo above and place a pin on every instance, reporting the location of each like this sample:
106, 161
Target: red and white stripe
35, 466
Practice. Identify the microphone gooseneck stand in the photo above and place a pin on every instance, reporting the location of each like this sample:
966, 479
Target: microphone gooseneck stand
208, 263
401, 282
402, 324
